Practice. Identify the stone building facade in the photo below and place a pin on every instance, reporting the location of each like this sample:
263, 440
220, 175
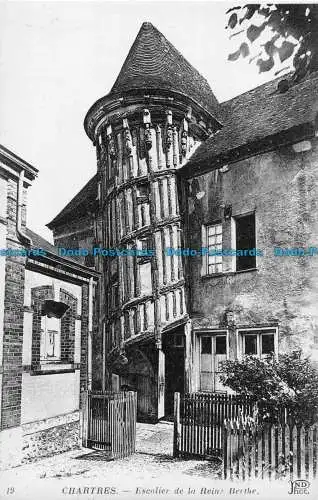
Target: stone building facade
176, 169
45, 330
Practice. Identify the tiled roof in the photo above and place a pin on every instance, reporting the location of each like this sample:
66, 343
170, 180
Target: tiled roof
39, 242
255, 115
79, 205
154, 63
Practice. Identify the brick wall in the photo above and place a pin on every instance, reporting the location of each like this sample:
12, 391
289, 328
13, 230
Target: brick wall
13, 320
12, 342
68, 326
84, 338
38, 296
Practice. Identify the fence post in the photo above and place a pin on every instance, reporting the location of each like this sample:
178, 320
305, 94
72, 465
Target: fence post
176, 427
224, 450
84, 419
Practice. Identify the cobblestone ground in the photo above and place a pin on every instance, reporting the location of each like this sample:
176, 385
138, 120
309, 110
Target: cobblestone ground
151, 472
151, 466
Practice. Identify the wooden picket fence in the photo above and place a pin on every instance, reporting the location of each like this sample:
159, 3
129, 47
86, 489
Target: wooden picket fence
199, 418
269, 451
109, 422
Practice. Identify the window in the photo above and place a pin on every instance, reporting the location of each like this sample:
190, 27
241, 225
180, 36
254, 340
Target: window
206, 345
143, 214
213, 351
258, 343
50, 349
220, 344
267, 343
144, 265
213, 241
143, 247
51, 314
145, 277
54, 336
114, 295
143, 191
250, 344
245, 242
143, 204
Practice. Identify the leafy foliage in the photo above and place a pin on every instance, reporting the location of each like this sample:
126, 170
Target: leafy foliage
290, 382
293, 30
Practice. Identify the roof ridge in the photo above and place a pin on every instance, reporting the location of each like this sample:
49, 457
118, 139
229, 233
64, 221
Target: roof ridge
254, 119
270, 82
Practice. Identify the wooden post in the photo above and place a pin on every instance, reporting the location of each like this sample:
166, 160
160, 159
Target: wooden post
161, 383
295, 452
224, 449
188, 362
177, 426
84, 419
311, 452
302, 453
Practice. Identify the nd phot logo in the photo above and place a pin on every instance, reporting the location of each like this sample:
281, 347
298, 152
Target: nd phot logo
299, 487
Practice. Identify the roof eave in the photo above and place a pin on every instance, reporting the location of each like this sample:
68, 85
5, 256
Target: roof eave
195, 168
54, 259
15, 162
117, 100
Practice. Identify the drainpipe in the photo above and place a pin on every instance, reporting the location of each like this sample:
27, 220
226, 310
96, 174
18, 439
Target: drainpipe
21, 235
90, 334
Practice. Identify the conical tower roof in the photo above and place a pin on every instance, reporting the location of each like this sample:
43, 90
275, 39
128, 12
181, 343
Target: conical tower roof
154, 63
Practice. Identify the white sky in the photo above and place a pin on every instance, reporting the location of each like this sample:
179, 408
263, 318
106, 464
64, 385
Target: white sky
58, 58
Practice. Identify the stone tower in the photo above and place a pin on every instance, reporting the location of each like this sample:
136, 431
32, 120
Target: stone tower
156, 114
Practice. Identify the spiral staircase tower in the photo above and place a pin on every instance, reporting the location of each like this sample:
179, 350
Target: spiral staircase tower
158, 111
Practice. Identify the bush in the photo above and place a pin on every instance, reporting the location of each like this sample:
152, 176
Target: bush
291, 382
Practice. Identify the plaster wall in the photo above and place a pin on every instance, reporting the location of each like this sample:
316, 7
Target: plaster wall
281, 187
46, 396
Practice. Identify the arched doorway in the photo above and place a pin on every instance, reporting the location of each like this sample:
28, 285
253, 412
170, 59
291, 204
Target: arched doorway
140, 376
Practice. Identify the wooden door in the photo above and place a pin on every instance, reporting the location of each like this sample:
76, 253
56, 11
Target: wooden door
213, 350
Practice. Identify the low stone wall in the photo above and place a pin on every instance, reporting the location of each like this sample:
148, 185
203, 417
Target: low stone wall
51, 436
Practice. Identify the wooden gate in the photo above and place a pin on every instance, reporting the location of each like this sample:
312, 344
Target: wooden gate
199, 418
109, 422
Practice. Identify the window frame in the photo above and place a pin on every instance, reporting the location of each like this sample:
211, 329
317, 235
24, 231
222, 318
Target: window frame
144, 262
45, 331
242, 332
234, 219
218, 260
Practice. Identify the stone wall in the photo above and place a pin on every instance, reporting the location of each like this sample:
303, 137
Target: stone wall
281, 187
48, 437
